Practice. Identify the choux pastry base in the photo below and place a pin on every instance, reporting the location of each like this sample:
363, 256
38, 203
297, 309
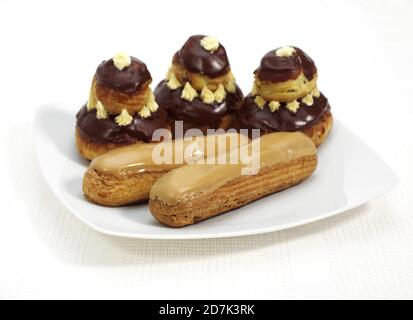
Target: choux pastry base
227, 122
321, 129
91, 150
233, 194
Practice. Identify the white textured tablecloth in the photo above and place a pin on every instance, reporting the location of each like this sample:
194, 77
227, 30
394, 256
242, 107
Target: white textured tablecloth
364, 51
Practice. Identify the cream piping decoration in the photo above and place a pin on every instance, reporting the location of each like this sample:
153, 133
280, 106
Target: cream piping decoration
91, 103
308, 100
124, 118
121, 61
220, 93
315, 92
230, 86
152, 104
172, 82
254, 90
168, 74
260, 101
101, 112
189, 93
209, 44
145, 112
207, 95
293, 106
274, 105
285, 52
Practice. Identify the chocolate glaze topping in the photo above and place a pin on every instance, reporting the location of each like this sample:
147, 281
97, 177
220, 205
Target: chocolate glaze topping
279, 69
195, 113
195, 58
252, 117
107, 131
129, 80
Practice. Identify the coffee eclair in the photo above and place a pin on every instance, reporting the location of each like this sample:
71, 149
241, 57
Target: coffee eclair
197, 192
125, 175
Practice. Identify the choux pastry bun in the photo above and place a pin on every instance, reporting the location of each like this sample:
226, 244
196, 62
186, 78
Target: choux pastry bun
121, 108
285, 97
199, 88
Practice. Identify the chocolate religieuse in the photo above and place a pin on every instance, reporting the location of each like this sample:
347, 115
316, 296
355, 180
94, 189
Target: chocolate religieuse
200, 88
285, 97
121, 109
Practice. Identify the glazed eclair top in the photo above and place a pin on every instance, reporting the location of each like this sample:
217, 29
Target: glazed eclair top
182, 183
195, 58
128, 80
285, 63
139, 157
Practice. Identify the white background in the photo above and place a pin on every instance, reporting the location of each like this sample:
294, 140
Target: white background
49, 51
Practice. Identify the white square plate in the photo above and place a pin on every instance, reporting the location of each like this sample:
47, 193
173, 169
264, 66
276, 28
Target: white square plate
349, 174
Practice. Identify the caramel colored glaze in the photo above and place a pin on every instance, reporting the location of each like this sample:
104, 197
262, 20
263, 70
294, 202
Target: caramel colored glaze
108, 131
279, 69
139, 157
252, 117
195, 113
193, 57
188, 181
128, 80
